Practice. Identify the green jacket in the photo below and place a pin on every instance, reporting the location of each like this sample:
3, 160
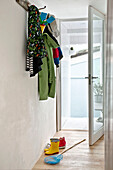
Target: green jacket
47, 75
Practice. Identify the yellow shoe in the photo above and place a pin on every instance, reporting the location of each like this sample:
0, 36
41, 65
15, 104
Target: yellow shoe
49, 145
54, 148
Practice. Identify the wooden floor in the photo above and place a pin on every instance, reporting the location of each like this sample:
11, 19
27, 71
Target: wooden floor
81, 157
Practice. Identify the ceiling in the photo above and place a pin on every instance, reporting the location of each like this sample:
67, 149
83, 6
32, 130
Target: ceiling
72, 8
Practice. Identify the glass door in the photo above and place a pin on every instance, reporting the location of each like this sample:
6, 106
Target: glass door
96, 74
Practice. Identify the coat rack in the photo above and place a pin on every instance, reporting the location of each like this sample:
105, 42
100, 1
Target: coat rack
25, 4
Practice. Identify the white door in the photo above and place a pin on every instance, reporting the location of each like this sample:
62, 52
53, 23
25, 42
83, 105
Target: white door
96, 74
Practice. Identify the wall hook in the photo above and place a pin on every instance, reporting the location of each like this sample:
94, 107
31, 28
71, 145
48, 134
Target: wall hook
25, 4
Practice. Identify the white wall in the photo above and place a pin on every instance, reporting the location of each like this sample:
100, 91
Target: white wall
25, 122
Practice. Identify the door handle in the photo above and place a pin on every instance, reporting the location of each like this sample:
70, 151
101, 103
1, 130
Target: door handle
91, 77
94, 77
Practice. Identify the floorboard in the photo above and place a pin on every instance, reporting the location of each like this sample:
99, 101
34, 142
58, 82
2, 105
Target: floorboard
81, 157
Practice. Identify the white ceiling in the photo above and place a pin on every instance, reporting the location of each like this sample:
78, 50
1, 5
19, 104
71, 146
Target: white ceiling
72, 8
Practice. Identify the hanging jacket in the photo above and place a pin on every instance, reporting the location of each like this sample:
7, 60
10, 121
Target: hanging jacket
46, 79
56, 60
35, 43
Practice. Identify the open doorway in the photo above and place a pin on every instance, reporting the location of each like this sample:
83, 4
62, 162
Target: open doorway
74, 69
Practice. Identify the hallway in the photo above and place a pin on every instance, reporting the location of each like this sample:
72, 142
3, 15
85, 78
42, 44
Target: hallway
80, 157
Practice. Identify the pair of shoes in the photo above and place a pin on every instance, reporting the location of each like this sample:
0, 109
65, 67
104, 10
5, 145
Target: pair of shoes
55, 145
54, 148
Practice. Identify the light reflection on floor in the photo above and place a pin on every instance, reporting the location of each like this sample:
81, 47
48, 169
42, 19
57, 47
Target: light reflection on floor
80, 123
